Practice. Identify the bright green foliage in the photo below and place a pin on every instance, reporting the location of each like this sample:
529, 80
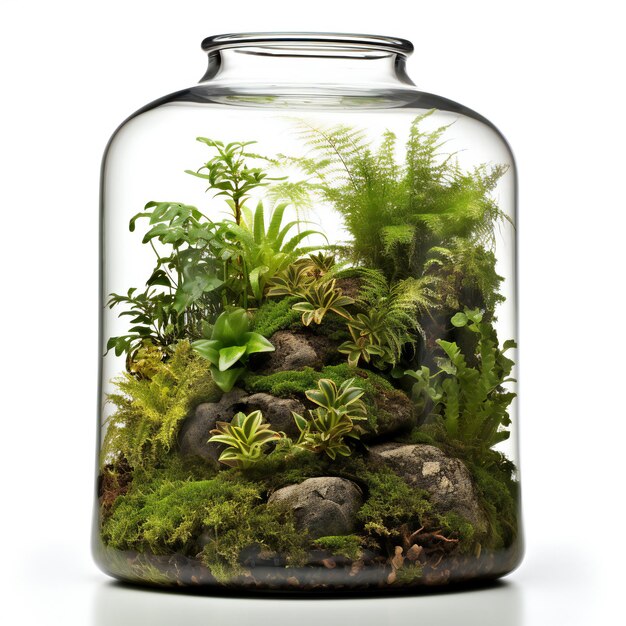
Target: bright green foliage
149, 411
397, 212
333, 420
245, 436
391, 503
229, 347
275, 315
181, 290
466, 275
368, 340
319, 299
265, 252
229, 173
499, 497
348, 546
203, 266
294, 280
320, 264
472, 400
163, 516
390, 318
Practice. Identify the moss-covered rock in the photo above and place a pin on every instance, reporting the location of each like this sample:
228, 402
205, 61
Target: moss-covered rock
447, 480
162, 516
389, 410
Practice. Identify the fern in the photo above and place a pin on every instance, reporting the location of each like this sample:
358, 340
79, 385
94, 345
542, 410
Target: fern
470, 401
399, 305
397, 213
149, 411
467, 275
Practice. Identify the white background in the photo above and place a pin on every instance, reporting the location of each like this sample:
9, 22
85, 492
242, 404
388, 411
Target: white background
548, 74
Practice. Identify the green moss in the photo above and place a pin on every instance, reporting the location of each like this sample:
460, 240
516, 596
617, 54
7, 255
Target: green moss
276, 315
149, 411
499, 497
287, 465
238, 525
418, 435
391, 503
453, 525
163, 516
408, 573
348, 546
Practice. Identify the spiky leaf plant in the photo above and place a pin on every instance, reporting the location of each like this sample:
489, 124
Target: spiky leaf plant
319, 299
245, 436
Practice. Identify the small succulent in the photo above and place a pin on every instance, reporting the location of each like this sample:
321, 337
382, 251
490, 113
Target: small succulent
229, 347
320, 263
292, 281
369, 339
321, 298
333, 419
244, 436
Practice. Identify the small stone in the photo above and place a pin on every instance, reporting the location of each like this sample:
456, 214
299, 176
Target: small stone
413, 553
296, 350
322, 506
446, 479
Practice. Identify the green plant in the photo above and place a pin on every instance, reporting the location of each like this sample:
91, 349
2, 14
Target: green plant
466, 275
319, 299
407, 217
265, 252
347, 546
229, 347
391, 319
294, 280
202, 266
149, 410
333, 419
229, 173
245, 436
472, 400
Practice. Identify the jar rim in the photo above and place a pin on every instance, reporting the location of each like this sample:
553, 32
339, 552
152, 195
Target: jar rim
310, 40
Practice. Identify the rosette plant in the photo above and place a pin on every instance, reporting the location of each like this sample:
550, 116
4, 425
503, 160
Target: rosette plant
244, 437
230, 345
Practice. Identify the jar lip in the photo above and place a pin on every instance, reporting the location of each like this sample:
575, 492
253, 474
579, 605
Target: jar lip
309, 40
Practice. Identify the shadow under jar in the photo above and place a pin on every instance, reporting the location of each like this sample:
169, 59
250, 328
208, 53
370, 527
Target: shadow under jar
308, 327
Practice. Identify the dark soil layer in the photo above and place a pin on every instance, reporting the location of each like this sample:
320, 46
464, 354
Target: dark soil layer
322, 574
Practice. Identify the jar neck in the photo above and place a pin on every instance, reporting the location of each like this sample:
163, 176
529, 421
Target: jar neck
301, 62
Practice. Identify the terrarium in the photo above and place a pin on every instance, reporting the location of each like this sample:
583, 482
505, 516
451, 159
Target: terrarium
308, 330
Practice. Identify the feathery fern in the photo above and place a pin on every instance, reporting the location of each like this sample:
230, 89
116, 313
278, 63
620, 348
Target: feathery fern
396, 213
149, 411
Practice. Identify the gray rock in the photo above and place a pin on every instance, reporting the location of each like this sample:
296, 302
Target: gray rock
446, 479
322, 506
196, 429
294, 351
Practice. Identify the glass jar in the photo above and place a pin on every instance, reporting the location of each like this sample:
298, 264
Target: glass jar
308, 328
